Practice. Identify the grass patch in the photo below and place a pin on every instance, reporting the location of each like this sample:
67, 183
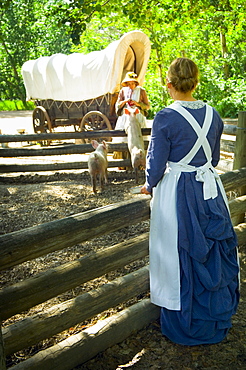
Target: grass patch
12, 105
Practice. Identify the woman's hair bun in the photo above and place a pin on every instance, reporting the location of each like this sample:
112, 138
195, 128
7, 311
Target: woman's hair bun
183, 74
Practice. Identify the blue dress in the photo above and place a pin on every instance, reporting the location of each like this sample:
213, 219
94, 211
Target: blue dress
206, 241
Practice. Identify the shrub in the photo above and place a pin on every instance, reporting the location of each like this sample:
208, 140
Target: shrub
10, 105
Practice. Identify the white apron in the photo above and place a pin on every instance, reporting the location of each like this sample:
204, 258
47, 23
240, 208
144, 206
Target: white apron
164, 257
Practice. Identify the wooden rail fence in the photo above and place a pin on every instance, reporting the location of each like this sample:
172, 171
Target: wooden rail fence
231, 129
30, 243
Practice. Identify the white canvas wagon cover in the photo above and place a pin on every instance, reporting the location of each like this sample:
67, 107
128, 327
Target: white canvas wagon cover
80, 77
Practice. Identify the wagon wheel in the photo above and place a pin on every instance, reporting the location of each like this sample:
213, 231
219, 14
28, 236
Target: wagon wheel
95, 120
41, 121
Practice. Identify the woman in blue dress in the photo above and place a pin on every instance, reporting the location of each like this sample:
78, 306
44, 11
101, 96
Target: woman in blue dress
193, 247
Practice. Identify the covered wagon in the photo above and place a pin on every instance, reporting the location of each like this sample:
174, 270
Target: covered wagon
81, 90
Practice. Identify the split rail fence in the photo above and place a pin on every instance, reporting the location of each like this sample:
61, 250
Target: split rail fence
233, 129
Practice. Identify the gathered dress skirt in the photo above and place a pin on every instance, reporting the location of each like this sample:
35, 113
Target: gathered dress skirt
208, 268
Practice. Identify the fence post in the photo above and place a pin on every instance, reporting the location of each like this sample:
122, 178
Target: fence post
2, 352
240, 156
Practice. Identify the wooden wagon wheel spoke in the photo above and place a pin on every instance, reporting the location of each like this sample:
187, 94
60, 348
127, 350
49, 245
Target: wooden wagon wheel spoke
41, 122
101, 124
98, 122
95, 120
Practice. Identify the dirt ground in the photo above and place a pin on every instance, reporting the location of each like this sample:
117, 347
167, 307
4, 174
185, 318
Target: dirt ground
28, 200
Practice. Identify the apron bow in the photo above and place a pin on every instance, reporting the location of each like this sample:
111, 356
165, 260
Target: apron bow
208, 176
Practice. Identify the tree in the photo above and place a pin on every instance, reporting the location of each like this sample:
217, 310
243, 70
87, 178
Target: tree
212, 32
25, 33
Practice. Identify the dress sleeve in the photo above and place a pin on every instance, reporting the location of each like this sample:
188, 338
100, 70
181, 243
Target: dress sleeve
158, 151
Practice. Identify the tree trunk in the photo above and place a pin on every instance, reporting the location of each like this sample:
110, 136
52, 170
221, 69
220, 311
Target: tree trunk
15, 73
224, 52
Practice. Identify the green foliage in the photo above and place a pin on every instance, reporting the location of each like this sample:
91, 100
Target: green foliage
233, 98
228, 96
76, 14
25, 33
10, 105
211, 32
97, 36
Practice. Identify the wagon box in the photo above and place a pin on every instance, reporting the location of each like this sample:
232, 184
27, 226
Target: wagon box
81, 90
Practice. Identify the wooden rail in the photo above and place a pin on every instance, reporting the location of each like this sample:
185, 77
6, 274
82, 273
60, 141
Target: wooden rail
81, 347
229, 129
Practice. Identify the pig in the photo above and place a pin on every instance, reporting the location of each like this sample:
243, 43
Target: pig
135, 140
98, 164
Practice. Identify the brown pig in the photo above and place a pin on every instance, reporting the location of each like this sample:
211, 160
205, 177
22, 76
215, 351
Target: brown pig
98, 164
135, 140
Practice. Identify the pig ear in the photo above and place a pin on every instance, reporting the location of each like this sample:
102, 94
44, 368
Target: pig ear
94, 143
126, 111
104, 144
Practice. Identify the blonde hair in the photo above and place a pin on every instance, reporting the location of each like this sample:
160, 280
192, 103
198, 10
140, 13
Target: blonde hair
183, 74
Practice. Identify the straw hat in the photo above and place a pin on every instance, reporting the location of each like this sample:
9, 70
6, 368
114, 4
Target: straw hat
130, 76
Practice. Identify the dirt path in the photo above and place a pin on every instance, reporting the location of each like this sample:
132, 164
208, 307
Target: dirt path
12, 122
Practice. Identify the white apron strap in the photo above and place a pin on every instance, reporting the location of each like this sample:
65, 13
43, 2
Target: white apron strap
200, 131
206, 173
